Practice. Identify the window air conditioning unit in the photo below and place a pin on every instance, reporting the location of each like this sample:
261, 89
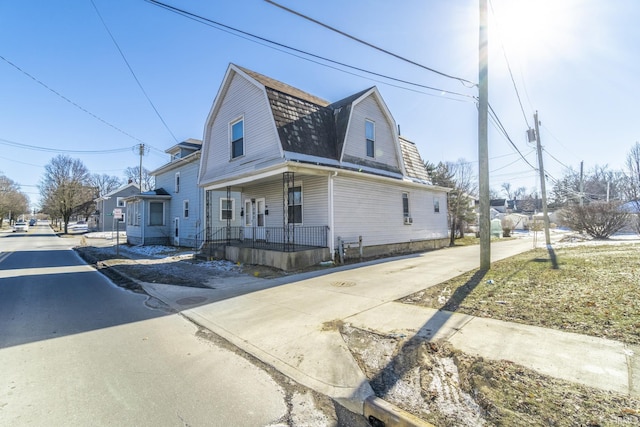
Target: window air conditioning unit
408, 220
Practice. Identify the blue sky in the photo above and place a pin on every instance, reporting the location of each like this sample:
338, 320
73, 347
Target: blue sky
574, 61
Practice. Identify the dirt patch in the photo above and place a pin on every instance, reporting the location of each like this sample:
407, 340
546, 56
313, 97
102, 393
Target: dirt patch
449, 388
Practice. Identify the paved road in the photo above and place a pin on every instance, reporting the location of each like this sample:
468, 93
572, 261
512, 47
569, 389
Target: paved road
76, 350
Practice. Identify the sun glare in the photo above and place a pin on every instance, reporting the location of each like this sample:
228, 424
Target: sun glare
537, 29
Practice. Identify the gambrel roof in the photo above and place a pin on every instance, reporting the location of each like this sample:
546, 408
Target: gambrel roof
313, 130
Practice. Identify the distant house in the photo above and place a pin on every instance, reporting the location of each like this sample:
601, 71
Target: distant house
171, 214
499, 205
310, 174
103, 219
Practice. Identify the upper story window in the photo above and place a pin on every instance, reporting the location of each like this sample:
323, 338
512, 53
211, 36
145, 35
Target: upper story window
237, 139
120, 202
370, 135
177, 182
185, 209
436, 205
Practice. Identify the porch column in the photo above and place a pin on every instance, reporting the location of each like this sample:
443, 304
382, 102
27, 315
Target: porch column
288, 182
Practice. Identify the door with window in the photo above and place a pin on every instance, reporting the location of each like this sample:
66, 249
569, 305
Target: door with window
176, 231
254, 219
260, 220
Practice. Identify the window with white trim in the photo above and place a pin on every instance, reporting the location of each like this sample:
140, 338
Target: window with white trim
237, 138
185, 209
177, 182
436, 205
120, 202
156, 213
370, 136
227, 209
405, 205
294, 205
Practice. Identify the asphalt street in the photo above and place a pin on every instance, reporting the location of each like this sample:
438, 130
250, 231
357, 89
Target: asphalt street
77, 350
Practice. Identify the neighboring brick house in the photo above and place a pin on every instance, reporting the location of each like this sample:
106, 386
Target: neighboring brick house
309, 172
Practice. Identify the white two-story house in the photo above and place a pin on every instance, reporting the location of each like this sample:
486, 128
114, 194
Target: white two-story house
310, 173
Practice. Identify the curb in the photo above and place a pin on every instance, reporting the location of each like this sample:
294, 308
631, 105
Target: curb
380, 413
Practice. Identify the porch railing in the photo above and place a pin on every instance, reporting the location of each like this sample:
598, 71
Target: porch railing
273, 238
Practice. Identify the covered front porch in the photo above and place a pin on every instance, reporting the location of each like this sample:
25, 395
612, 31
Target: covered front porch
269, 221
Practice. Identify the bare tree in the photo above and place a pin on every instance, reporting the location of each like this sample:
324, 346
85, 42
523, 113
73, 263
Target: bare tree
460, 177
13, 202
133, 175
64, 187
632, 182
104, 184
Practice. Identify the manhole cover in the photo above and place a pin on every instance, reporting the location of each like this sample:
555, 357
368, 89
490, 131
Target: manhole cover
191, 300
343, 284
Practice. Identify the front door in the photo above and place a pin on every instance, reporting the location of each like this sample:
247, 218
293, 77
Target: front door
260, 219
254, 218
176, 231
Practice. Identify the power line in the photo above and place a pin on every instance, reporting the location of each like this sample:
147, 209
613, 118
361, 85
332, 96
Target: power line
501, 128
124, 58
270, 44
67, 99
60, 150
371, 45
515, 87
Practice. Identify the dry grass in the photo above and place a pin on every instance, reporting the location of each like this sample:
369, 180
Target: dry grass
595, 291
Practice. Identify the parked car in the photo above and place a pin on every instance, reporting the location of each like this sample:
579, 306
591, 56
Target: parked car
20, 226
32, 222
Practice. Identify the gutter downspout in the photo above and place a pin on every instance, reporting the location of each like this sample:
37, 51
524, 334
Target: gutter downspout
142, 220
331, 217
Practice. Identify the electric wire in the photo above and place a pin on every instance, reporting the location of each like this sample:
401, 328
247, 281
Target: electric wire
270, 44
515, 87
60, 150
501, 128
371, 45
68, 100
124, 58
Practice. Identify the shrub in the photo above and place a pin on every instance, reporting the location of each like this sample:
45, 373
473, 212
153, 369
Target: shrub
598, 219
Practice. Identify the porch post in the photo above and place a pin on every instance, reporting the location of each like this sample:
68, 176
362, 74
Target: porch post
288, 182
228, 216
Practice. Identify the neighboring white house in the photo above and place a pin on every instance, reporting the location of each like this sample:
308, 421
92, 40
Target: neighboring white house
309, 173
171, 214
103, 219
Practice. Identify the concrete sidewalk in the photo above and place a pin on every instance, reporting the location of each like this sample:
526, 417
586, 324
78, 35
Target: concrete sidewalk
291, 324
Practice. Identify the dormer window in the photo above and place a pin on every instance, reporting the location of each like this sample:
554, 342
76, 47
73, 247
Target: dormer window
237, 139
370, 136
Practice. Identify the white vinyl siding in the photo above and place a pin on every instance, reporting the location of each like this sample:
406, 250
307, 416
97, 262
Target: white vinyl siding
189, 191
261, 141
314, 197
385, 146
227, 209
373, 209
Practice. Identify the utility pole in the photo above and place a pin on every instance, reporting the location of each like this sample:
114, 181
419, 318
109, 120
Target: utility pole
141, 154
581, 183
483, 145
543, 187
